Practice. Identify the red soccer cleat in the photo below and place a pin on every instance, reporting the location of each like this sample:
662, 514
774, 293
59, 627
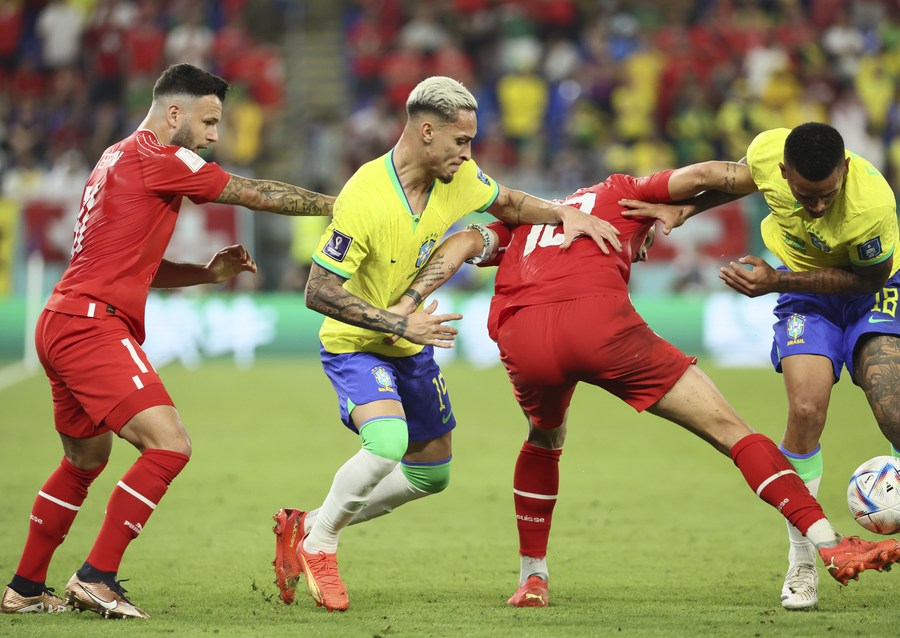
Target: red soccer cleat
853, 555
535, 592
289, 524
323, 579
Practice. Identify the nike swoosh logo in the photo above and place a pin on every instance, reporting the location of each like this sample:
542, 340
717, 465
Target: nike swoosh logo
874, 320
444, 419
106, 604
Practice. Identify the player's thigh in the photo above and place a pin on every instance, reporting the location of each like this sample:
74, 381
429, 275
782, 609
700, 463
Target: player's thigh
425, 397
99, 375
808, 380
697, 405
529, 343
872, 336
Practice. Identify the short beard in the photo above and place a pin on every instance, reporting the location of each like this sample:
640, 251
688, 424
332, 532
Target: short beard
182, 137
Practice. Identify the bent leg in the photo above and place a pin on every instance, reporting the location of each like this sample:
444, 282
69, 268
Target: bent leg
158, 433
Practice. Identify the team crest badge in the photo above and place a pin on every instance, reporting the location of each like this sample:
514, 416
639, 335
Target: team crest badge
819, 243
795, 326
383, 379
424, 252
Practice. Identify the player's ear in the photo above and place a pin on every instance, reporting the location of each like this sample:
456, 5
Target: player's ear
426, 129
174, 114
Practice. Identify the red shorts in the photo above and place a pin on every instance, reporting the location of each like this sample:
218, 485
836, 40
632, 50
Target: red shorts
99, 376
547, 349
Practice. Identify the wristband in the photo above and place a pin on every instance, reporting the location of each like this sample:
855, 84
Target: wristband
415, 296
490, 245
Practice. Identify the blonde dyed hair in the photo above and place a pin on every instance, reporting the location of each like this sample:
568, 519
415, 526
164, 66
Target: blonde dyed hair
441, 95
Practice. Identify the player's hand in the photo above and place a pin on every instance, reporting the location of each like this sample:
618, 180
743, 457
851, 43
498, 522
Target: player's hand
576, 224
760, 279
229, 262
671, 216
428, 329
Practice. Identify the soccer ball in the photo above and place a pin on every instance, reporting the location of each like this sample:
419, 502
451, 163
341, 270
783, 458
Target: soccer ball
874, 495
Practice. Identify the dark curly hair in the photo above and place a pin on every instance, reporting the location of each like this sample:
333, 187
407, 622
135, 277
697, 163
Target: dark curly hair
181, 79
814, 150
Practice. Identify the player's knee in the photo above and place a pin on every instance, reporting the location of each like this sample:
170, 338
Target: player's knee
428, 477
385, 437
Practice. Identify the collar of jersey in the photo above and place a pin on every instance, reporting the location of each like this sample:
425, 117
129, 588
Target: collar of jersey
398, 187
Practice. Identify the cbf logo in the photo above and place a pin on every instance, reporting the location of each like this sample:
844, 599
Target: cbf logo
424, 251
795, 327
383, 379
819, 243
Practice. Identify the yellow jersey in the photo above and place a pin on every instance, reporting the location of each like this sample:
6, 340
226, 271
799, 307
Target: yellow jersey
859, 227
378, 245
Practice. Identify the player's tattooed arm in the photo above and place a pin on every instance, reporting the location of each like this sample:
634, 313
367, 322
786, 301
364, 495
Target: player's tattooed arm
275, 197
325, 294
837, 281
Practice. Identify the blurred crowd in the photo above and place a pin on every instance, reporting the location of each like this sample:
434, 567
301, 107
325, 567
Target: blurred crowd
77, 76
572, 90
569, 90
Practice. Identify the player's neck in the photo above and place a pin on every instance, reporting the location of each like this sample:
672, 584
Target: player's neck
412, 172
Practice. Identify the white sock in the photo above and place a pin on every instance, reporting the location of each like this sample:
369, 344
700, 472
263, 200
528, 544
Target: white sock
822, 534
393, 491
531, 566
802, 550
352, 485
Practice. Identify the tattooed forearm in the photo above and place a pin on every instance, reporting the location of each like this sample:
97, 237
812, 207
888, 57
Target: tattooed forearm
439, 269
730, 179
326, 295
828, 281
275, 197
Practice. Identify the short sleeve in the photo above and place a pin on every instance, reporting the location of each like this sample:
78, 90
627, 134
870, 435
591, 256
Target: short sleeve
345, 243
476, 191
180, 171
876, 243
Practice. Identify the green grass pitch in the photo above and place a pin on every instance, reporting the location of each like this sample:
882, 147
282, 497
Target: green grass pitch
655, 534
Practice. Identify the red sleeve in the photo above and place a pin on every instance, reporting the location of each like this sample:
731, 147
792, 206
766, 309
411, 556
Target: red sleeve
179, 171
653, 188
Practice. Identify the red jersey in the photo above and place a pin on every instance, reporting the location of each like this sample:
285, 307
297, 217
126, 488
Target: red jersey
533, 270
127, 216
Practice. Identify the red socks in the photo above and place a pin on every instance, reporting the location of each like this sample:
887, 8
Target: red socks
775, 481
133, 500
535, 486
54, 509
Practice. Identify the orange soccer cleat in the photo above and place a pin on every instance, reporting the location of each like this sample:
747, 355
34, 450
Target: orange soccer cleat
853, 555
323, 579
534, 592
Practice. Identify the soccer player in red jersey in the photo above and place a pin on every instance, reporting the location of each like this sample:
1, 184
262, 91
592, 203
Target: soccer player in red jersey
561, 317
89, 335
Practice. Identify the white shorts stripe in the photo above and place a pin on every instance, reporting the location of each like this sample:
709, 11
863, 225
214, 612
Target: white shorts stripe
140, 364
765, 483
53, 499
143, 499
137, 382
543, 497
91, 308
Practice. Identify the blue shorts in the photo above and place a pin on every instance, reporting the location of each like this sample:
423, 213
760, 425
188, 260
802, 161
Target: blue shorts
416, 382
833, 325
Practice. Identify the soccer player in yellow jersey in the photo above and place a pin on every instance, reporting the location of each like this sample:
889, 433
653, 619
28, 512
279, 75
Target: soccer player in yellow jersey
833, 225
387, 220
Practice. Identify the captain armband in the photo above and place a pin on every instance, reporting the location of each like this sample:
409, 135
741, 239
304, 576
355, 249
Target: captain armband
490, 245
